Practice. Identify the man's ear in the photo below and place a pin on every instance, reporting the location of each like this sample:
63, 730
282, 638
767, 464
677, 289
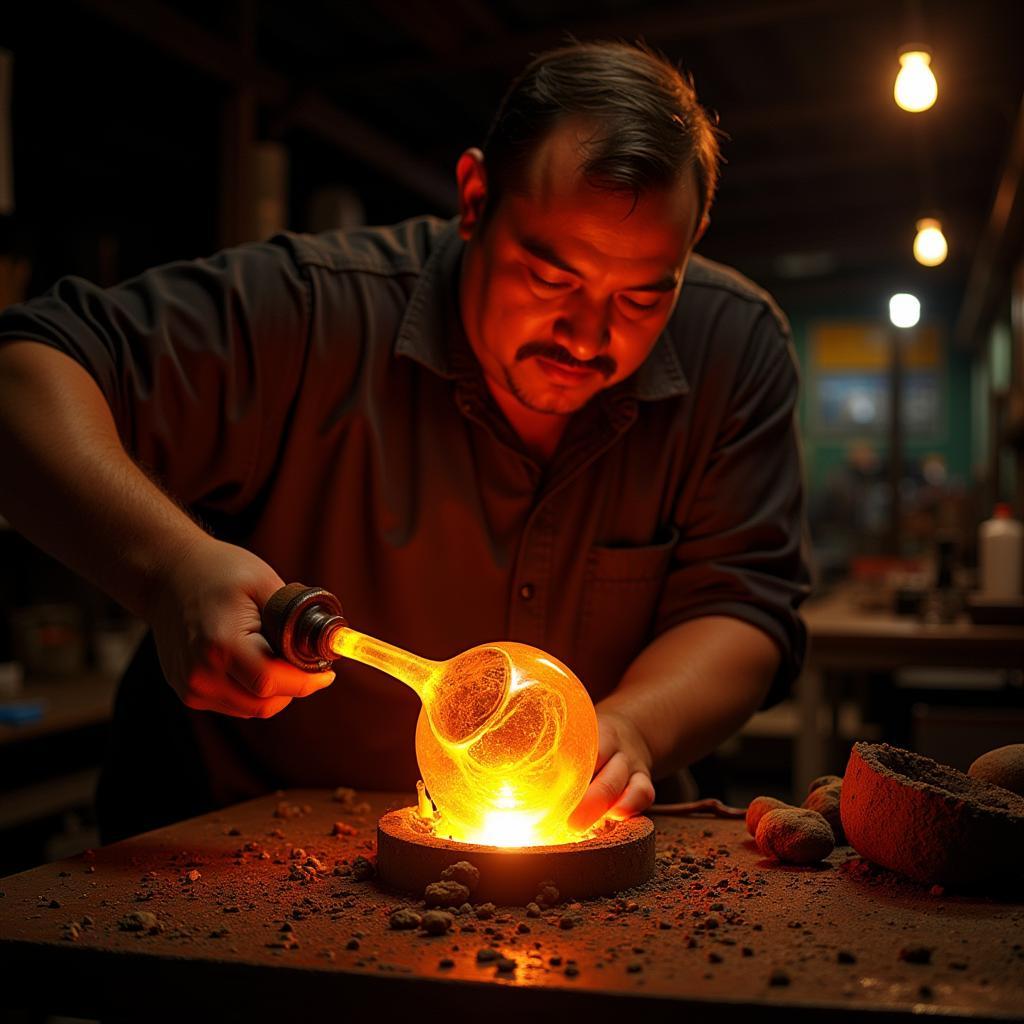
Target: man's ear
471, 176
701, 228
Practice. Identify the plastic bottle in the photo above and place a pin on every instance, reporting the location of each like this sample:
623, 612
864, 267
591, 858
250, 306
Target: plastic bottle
1000, 555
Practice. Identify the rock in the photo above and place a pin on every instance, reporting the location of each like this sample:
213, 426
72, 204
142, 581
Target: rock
437, 922
778, 977
547, 894
1003, 766
825, 800
139, 921
824, 780
794, 835
930, 822
916, 954
404, 919
362, 870
758, 808
445, 894
464, 873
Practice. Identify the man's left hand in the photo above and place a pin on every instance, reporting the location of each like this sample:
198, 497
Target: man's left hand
622, 783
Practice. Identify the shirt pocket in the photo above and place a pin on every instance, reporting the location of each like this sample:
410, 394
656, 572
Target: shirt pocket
621, 590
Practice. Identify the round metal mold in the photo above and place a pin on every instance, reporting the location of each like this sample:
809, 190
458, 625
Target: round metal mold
410, 856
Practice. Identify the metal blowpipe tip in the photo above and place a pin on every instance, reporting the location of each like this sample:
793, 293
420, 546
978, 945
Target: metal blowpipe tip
299, 621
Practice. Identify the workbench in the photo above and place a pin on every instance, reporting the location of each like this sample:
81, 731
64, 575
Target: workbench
261, 911
844, 637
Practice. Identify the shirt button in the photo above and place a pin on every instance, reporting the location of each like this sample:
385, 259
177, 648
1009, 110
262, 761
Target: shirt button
526, 591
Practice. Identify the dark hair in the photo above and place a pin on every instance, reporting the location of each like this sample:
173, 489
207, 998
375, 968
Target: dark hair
648, 128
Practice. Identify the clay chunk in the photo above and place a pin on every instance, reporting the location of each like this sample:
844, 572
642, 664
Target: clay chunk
824, 780
931, 822
795, 835
758, 808
1003, 766
825, 800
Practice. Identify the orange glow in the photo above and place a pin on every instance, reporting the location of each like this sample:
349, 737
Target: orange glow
506, 739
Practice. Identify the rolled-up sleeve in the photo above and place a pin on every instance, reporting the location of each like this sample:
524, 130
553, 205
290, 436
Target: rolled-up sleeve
199, 362
743, 549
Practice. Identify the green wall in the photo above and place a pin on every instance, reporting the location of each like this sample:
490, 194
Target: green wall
823, 454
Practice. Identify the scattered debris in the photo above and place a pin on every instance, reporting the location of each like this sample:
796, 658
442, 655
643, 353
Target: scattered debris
464, 873
916, 954
445, 894
139, 921
547, 894
363, 870
437, 922
287, 810
404, 918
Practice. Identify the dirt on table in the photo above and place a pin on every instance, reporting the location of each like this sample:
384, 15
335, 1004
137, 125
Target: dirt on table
251, 885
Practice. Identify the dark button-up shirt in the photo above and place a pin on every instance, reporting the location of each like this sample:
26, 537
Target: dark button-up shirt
315, 399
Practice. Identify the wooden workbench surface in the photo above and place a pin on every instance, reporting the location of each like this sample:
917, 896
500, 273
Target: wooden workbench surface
719, 934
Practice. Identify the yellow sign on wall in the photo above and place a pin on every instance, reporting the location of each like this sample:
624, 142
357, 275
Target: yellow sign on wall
853, 347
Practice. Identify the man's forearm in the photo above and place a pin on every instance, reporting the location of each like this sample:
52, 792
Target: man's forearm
694, 687
67, 484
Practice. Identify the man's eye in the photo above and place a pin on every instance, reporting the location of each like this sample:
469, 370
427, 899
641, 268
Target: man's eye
544, 282
634, 304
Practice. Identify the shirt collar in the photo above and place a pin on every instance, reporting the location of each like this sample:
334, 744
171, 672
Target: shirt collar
433, 335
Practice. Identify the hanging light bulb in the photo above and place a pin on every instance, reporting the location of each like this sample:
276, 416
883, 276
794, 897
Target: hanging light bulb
904, 310
915, 89
930, 247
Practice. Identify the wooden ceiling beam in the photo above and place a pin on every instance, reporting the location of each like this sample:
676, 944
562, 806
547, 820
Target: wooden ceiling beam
179, 37
1001, 243
669, 24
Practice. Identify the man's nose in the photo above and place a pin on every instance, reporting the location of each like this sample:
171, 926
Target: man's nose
584, 330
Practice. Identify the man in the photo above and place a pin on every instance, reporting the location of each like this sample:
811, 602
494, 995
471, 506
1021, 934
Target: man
521, 425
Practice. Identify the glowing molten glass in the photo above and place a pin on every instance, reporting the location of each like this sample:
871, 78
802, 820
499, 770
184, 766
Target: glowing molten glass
506, 739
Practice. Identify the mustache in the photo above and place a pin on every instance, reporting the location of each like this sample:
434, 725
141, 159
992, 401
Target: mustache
603, 365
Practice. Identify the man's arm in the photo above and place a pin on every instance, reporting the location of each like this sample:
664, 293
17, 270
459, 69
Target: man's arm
69, 486
685, 693
689, 690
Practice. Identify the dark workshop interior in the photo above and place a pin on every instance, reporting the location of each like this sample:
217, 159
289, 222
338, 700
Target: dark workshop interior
137, 133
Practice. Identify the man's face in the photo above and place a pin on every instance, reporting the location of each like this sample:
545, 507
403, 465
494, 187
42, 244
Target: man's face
565, 288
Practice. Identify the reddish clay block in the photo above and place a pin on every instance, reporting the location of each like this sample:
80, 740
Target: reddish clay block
758, 808
825, 800
1003, 766
410, 857
794, 835
930, 822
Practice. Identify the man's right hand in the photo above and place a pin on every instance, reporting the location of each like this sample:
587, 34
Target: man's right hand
205, 617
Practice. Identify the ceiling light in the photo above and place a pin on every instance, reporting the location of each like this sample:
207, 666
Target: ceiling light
915, 89
930, 247
904, 310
